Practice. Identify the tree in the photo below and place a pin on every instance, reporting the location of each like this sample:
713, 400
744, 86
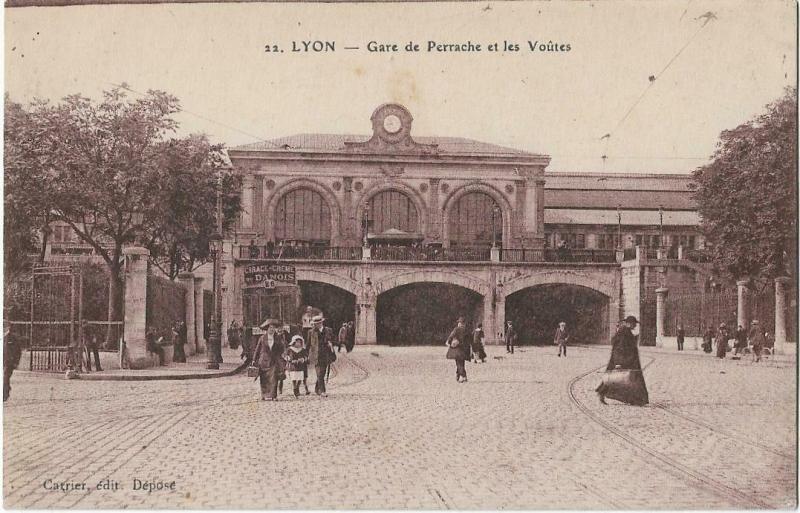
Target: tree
25, 190
106, 170
185, 217
747, 196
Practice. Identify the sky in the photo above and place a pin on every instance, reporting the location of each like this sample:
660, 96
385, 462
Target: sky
662, 79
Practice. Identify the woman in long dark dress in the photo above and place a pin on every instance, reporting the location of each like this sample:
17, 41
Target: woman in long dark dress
178, 342
722, 340
624, 357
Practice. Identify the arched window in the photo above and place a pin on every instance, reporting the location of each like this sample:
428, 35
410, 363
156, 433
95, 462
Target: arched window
393, 209
471, 221
303, 214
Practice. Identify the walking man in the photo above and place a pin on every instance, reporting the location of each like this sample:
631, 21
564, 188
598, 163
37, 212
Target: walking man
756, 340
561, 337
12, 352
681, 336
511, 338
320, 352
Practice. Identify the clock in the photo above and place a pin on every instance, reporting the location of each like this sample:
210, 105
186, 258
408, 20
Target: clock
392, 123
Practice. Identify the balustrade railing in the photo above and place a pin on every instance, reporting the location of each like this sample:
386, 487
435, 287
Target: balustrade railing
559, 255
427, 254
431, 254
299, 252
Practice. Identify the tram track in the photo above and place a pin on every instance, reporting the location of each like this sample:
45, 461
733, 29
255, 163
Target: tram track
699, 480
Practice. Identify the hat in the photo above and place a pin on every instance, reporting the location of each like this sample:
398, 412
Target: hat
296, 338
631, 319
723, 325
460, 319
317, 318
271, 322
754, 321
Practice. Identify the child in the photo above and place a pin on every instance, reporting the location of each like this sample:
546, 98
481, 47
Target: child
297, 356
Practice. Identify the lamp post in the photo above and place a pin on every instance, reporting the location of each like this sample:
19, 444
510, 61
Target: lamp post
215, 333
660, 227
495, 213
619, 227
214, 354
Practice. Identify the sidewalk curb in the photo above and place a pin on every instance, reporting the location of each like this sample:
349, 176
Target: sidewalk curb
163, 377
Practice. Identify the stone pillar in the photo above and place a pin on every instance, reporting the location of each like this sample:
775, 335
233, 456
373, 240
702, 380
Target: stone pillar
247, 201
613, 318
349, 230
135, 355
661, 314
494, 254
620, 255
741, 303
199, 317
187, 280
434, 213
499, 320
680, 251
638, 253
780, 313
366, 253
365, 321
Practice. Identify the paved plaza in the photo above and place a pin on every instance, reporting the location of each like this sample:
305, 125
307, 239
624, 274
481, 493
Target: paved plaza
397, 431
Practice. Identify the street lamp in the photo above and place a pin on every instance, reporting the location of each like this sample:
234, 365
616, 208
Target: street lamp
214, 350
495, 213
660, 227
619, 227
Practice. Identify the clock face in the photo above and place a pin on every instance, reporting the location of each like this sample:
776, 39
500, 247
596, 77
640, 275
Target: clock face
392, 124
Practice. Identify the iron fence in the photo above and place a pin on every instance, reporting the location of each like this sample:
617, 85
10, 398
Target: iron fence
698, 311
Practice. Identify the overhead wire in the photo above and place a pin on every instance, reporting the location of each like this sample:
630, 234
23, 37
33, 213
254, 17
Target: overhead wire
652, 79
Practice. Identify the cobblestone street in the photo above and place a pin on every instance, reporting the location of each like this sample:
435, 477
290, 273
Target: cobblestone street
397, 431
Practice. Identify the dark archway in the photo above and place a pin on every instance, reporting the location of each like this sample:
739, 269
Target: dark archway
536, 312
338, 305
425, 313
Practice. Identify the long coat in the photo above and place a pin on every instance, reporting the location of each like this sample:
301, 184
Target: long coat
319, 350
624, 351
462, 352
625, 354
270, 360
722, 343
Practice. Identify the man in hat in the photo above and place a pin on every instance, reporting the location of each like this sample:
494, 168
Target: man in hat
625, 356
511, 337
561, 337
756, 339
268, 357
320, 351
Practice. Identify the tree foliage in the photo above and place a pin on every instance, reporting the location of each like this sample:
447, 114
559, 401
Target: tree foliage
747, 196
25, 198
111, 171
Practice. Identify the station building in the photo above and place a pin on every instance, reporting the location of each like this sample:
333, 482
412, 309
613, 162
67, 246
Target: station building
404, 233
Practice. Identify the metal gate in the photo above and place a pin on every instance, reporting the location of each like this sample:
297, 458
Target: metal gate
55, 316
647, 323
